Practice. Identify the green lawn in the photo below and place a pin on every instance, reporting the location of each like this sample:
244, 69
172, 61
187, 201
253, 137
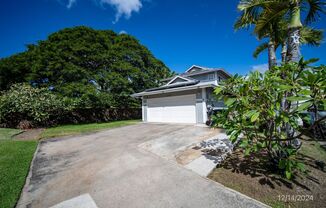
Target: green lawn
66, 130
8, 133
15, 159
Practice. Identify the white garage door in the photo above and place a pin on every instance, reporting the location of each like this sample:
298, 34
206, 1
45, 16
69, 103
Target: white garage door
174, 109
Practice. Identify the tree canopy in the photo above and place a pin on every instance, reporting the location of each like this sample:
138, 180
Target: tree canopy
84, 63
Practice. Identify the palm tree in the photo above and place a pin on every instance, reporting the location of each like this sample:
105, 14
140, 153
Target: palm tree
309, 36
267, 16
274, 9
250, 16
275, 32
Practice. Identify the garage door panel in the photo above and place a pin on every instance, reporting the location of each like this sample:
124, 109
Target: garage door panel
176, 109
154, 114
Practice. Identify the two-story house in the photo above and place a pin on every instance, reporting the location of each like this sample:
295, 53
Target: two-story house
183, 98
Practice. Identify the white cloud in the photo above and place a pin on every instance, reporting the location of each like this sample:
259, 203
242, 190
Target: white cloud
262, 68
70, 3
123, 32
124, 7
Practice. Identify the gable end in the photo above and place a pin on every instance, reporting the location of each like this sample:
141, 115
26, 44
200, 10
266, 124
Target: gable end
195, 69
178, 79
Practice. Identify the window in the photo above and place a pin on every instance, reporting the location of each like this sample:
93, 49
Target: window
211, 76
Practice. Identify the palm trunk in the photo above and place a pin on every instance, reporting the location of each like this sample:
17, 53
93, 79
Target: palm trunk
293, 54
293, 50
283, 52
271, 54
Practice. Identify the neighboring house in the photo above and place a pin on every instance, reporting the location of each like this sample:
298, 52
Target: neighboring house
183, 98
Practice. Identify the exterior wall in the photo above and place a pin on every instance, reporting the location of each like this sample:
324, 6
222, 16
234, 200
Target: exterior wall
205, 77
210, 77
211, 100
220, 77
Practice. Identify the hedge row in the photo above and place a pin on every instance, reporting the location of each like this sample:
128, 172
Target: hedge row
76, 116
24, 107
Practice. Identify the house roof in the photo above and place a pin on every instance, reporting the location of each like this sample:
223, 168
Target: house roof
203, 70
187, 82
162, 90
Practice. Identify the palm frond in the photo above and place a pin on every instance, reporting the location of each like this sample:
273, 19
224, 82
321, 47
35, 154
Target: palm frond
244, 21
250, 12
253, 4
310, 36
280, 30
270, 15
262, 47
315, 8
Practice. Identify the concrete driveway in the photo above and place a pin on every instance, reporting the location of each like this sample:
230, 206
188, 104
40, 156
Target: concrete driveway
111, 169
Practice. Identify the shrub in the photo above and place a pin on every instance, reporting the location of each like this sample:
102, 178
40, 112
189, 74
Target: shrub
31, 104
268, 109
23, 106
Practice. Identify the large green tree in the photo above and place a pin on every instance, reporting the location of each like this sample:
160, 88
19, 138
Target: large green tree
81, 62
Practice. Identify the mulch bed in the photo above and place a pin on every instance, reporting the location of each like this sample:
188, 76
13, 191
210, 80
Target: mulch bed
255, 179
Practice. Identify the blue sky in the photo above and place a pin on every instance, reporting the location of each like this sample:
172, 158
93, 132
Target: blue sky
178, 32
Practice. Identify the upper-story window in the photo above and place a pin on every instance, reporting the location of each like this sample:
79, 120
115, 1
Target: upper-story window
219, 78
211, 76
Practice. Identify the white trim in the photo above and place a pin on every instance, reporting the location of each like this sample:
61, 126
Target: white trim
186, 79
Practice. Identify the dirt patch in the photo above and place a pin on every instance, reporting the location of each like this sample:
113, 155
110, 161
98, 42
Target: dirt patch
255, 179
30, 134
188, 155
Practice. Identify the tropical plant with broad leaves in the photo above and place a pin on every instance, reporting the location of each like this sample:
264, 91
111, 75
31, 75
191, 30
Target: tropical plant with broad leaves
256, 119
35, 104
